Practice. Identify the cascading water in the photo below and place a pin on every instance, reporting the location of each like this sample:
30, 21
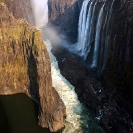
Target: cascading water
97, 38
109, 13
84, 31
93, 32
79, 119
83, 22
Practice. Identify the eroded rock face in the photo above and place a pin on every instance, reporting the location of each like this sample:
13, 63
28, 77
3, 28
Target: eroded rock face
25, 68
64, 14
110, 95
118, 73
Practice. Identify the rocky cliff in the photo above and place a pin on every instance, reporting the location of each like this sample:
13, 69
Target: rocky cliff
64, 14
25, 67
20, 9
121, 48
118, 73
109, 95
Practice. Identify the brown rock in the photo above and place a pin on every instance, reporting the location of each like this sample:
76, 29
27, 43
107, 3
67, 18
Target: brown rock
20, 9
25, 68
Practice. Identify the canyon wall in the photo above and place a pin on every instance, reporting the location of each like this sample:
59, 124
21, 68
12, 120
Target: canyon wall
25, 65
121, 47
64, 14
118, 74
110, 94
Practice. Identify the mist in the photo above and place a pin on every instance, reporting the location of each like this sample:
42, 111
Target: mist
40, 11
51, 33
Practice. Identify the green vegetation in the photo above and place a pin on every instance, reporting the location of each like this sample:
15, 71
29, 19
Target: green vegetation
34, 47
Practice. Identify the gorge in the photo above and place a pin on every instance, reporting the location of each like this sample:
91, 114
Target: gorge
94, 55
78, 116
103, 84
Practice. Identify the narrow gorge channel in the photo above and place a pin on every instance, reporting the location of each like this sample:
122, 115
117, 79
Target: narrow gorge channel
79, 119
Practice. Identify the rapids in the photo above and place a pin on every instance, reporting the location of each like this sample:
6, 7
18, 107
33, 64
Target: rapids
79, 119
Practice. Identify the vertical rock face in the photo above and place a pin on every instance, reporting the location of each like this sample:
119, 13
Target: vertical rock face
118, 73
64, 14
111, 97
121, 48
25, 68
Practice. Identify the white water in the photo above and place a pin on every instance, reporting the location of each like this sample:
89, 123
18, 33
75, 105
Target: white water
78, 117
97, 38
82, 26
67, 94
90, 34
93, 32
40, 10
87, 29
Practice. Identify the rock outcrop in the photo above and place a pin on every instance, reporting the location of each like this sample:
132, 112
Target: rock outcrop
25, 68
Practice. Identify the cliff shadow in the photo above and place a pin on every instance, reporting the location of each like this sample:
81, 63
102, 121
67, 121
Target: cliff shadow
32, 71
4, 122
33, 75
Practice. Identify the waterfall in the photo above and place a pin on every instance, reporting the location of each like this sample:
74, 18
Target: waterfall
89, 32
40, 11
93, 32
82, 26
87, 28
97, 38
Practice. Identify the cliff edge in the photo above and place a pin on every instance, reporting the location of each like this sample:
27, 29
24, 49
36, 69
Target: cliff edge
25, 68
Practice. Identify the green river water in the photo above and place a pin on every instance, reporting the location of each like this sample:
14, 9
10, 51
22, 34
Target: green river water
18, 114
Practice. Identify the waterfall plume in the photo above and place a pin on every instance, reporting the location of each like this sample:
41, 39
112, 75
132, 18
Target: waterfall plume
40, 11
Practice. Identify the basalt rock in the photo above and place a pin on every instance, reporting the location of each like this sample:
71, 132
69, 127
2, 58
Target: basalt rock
25, 68
118, 73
